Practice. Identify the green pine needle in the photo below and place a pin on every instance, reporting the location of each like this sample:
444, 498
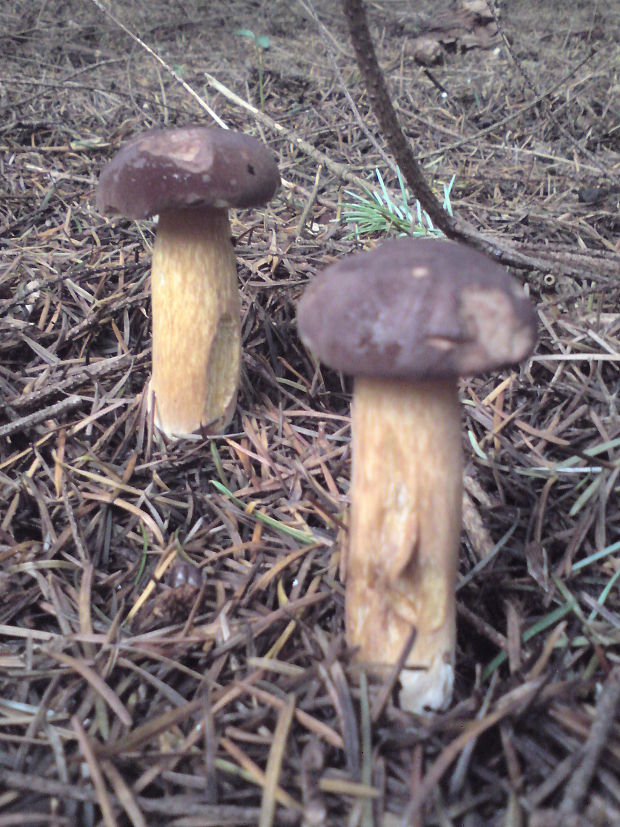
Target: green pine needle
376, 212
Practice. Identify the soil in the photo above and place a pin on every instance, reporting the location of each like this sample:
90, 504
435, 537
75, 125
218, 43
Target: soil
172, 646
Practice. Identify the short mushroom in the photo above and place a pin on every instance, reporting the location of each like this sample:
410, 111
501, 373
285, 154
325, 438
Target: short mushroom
190, 176
407, 319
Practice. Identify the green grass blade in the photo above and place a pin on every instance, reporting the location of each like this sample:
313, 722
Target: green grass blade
302, 536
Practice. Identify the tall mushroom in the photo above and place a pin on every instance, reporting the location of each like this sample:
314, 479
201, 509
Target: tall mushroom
407, 319
191, 176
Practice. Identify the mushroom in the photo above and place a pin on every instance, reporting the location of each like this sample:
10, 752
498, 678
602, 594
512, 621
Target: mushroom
407, 319
190, 177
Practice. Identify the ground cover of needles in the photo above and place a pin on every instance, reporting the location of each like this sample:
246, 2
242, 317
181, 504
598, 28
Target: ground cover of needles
130, 697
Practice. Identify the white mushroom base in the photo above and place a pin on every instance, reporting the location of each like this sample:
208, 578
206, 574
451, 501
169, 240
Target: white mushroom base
406, 494
430, 688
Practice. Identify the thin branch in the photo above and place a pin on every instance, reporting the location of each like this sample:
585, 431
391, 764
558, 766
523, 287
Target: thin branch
454, 227
381, 102
341, 171
200, 101
600, 731
25, 422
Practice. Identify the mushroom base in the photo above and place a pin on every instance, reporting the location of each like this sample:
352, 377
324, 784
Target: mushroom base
406, 492
196, 322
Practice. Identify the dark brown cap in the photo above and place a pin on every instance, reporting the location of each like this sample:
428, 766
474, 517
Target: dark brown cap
190, 166
416, 308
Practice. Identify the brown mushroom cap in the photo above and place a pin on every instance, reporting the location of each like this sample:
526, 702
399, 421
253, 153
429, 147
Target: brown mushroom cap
416, 308
190, 166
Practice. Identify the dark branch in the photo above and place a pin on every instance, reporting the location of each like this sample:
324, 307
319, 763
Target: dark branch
381, 103
453, 227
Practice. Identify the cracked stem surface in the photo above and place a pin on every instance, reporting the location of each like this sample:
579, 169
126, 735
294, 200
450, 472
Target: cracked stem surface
406, 492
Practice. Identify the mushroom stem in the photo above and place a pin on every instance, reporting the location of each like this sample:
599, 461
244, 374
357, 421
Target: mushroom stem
196, 321
406, 492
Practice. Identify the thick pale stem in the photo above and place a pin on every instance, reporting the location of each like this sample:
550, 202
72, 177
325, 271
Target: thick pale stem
406, 492
196, 322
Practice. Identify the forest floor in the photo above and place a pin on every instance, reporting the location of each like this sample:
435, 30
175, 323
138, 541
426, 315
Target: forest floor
137, 691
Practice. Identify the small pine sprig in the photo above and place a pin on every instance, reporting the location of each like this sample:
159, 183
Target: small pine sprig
376, 212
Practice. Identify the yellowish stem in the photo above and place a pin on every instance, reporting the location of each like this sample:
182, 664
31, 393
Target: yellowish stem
196, 322
406, 492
